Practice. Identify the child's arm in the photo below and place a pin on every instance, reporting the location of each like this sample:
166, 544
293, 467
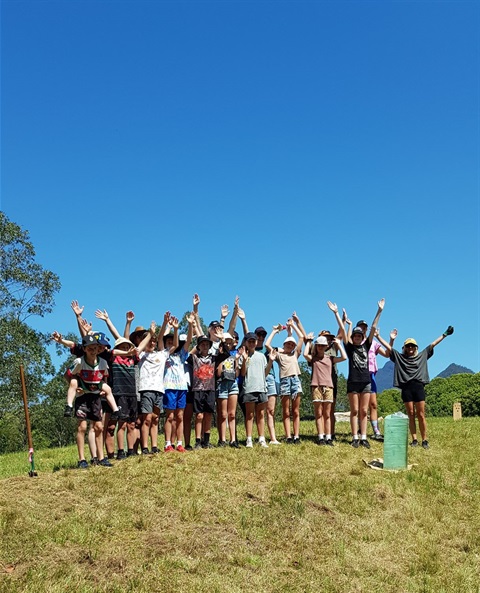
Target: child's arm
57, 337
127, 353
298, 349
448, 332
306, 353
272, 355
174, 323
85, 325
373, 329
191, 323
243, 319
388, 347
196, 302
333, 307
268, 344
233, 320
347, 320
298, 323
99, 314
339, 345
78, 314
146, 340
224, 311
161, 333
130, 316
241, 354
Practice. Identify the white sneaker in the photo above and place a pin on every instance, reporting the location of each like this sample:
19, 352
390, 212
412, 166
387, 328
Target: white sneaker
249, 445
263, 444
275, 442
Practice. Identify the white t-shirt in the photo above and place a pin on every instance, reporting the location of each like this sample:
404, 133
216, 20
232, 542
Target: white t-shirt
151, 368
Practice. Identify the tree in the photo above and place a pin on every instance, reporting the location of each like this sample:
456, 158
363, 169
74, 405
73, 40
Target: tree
26, 290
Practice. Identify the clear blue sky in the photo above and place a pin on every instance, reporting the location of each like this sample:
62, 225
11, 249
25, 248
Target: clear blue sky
288, 152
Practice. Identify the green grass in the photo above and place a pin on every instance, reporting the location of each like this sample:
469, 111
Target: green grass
287, 519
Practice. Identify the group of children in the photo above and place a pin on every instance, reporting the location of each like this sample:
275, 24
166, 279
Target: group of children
123, 389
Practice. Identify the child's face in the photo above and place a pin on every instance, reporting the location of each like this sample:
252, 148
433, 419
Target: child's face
288, 347
91, 351
357, 339
203, 348
151, 345
320, 349
229, 343
251, 345
168, 342
101, 348
124, 347
260, 340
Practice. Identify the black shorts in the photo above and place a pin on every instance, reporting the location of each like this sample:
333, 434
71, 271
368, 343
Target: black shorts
204, 401
413, 391
129, 407
88, 407
359, 387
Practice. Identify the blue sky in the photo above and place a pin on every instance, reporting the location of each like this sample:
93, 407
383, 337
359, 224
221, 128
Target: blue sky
288, 152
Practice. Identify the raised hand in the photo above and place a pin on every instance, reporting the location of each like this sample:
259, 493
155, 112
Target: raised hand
191, 318
224, 311
56, 337
240, 352
174, 322
237, 301
289, 322
332, 306
130, 315
272, 354
295, 318
345, 318
196, 300
449, 331
279, 327
310, 336
166, 317
86, 325
218, 331
241, 313
76, 308
381, 304
99, 314
153, 327
393, 334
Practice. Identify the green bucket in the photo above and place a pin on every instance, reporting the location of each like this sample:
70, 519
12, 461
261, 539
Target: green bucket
395, 444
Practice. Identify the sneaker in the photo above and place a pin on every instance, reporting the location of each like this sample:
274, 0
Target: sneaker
275, 442
249, 445
289, 441
145, 451
68, 413
188, 448
329, 442
320, 441
105, 463
155, 450
365, 443
169, 448
355, 443
378, 436
82, 464
234, 445
425, 444
181, 449
198, 445
131, 454
222, 444
207, 446
121, 454
115, 415
414, 443
94, 461
263, 444
334, 437
297, 441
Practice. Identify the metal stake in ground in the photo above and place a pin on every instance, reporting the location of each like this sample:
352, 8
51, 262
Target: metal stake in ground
32, 471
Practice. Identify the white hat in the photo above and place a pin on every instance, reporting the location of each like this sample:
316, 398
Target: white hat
321, 341
290, 339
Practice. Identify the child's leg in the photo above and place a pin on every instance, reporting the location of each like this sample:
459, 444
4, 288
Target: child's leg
272, 400
138, 428
422, 423
109, 434
98, 428
286, 415
231, 413
169, 414
91, 443
374, 412
131, 435
145, 430
121, 435
179, 423
411, 419
198, 425
364, 400
318, 411
296, 414
222, 406
107, 390
81, 429
249, 414
187, 423
207, 422
327, 420
154, 431
72, 391
260, 418
353, 398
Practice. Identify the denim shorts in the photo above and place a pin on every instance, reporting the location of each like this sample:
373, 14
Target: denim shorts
227, 387
271, 385
175, 399
290, 385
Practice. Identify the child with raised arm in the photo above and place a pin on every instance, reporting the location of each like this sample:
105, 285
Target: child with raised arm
358, 381
411, 376
253, 366
175, 382
227, 393
290, 385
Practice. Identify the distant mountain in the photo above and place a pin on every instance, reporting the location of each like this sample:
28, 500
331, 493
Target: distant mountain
384, 377
454, 369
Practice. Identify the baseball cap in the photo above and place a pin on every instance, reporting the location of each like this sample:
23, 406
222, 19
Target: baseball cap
410, 341
250, 336
204, 339
101, 338
260, 330
357, 330
362, 322
89, 341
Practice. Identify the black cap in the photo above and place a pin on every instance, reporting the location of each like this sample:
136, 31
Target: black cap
204, 339
260, 330
89, 341
361, 322
214, 324
250, 336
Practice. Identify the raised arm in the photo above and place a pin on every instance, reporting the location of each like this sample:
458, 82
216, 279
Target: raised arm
300, 334
276, 329
243, 319
233, 320
99, 314
148, 336
78, 314
348, 330
299, 325
448, 332
373, 329
129, 316
57, 337
343, 354
161, 333
191, 323
388, 346
334, 309
308, 347
174, 323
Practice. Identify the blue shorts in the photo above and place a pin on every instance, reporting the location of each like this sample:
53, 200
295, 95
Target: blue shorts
175, 399
271, 385
290, 386
373, 383
227, 387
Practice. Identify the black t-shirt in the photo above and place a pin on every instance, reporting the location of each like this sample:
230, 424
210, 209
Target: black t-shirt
358, 362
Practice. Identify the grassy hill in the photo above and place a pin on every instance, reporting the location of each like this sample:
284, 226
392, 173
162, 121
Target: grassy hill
287, 519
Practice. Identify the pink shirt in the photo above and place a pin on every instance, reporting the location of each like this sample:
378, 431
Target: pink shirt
372, 356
